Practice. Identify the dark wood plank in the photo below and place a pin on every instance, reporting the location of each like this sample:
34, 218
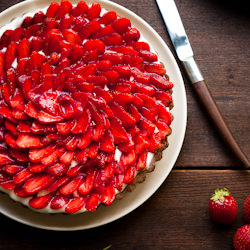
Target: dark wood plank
175, 217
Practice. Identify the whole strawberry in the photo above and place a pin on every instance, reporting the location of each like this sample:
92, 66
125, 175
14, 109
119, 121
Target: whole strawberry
247, 209
223, 207
241, 239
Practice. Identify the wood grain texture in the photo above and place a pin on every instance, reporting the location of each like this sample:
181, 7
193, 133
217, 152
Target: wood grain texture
175, 218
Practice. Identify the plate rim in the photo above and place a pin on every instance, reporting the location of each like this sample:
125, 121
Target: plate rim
182, 132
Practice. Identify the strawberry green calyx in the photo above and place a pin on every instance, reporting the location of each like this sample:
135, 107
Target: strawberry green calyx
220, 194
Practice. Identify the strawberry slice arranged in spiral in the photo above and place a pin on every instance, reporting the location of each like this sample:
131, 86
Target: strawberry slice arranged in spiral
83, 102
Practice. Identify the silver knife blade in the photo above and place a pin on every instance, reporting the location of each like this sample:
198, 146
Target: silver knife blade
179, 38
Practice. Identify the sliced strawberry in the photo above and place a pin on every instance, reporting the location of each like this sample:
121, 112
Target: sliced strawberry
51, 159
9, 185
70, 187
75, 170
82, 123
10, 140
23, 49
28, 141
22, 176
121, 25
86, 138
129, 175
118, 132
75, 205
36, 168
127, 146
6, 112
122, 98
118, 181
21, 67
10, 55
107, 142
114, 57
165, 115
103, 32
38, 17
108, 196
72, 142
51, 11
93, 150
16, 35
134, 112
81, 156
131, 34
92, 202
164, 96
108, 17
39, 128
41, 201
155, 142
125, 117
20, 192
37, 183
57, 183
89, 29
19, 114
141, 161
94, 44
148, 56
112, 40
59, 201
66, 22
65, 127
79, 22
109, 170
24, 127
71, 36
19, 155
49, 103
160, 82
156, 68
17, 100
32, 30
64, 8
31, 111
149, 103
146, 126
80, 9
67, 157
103, 94
111, 75
27, 22
163, 128
128, 158
11, 127
134, 61
45, 117
94, 11
57, 169
141, 143
13, 169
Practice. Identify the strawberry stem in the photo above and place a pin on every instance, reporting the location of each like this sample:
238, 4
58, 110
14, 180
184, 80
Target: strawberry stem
219, 194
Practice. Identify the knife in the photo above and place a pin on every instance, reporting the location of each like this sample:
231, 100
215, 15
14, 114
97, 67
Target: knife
185, 54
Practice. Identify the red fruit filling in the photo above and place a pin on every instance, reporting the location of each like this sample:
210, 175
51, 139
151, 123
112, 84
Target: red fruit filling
75, 88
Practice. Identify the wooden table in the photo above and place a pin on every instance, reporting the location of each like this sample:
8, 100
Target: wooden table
176, 217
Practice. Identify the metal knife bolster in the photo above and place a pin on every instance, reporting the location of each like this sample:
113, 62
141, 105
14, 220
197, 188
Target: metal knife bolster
192, 70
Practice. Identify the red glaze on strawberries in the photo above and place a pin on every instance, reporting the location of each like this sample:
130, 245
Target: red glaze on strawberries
83, 102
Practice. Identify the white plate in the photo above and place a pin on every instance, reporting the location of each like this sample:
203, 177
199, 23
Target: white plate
143, 191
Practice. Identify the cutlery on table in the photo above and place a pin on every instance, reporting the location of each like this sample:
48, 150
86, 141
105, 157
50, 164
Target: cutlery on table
185, 54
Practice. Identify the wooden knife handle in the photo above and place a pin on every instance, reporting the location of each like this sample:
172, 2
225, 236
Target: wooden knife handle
214, 113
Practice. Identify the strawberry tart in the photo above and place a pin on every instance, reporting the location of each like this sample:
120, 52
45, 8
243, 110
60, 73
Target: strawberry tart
84, 108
